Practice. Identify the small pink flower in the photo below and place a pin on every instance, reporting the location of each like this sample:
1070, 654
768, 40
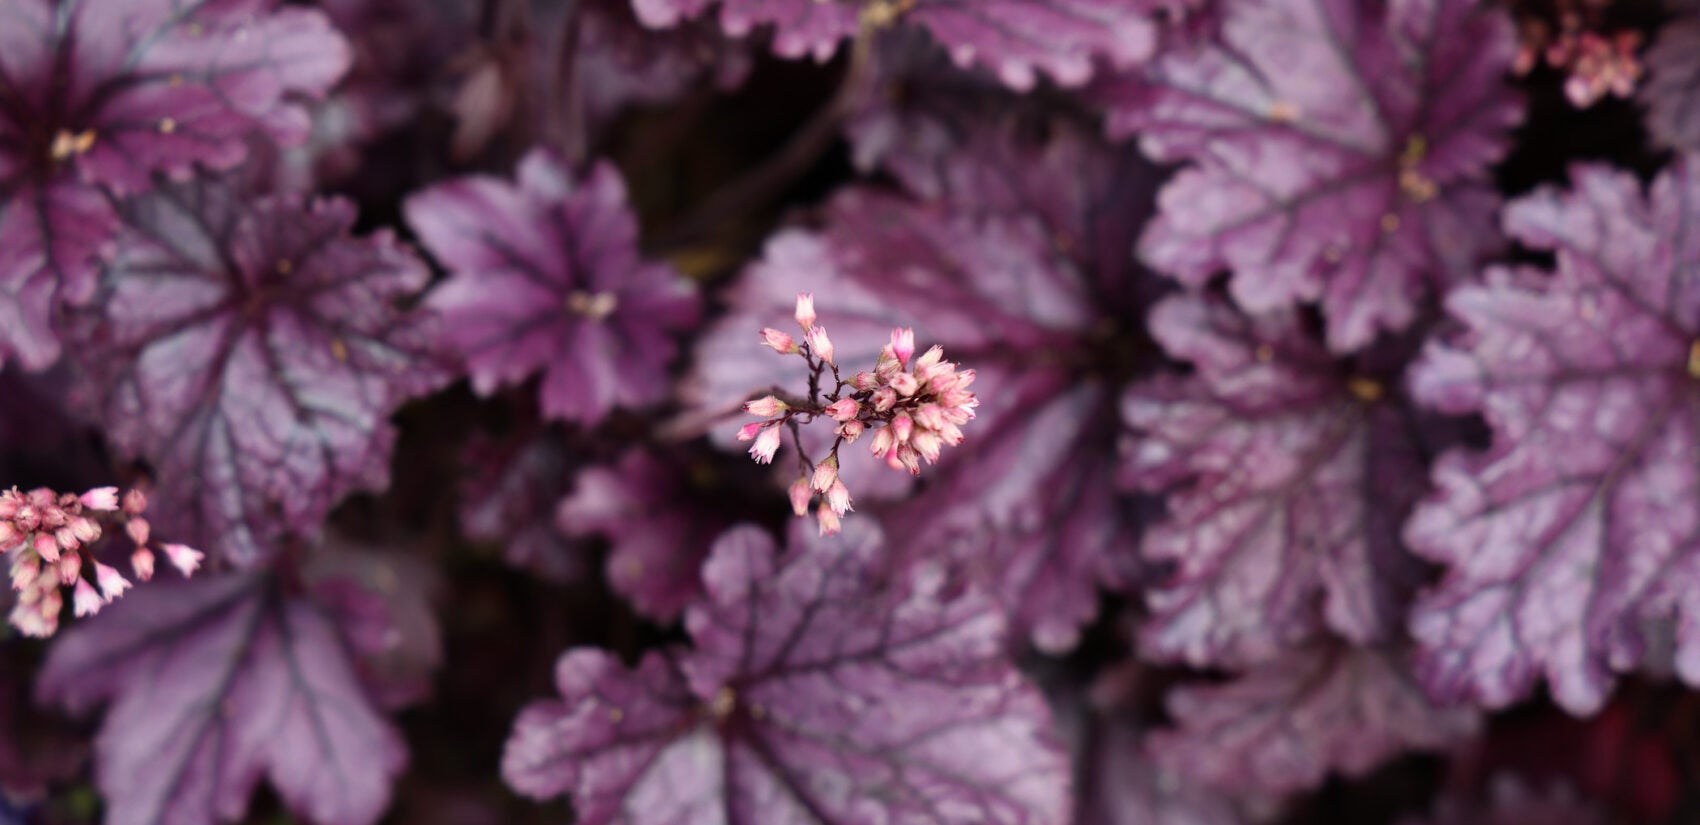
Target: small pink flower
84, 600
864, 380
800, 495
10, 501
112, 583
883, 442
933, 355
141, 562
829, 523
838, 497
137, 529
25, 571
850, 431
826, 473
85, 529
67, 539
806, 310
780, 342
902, 426
70, 567
903, 344
46, 547
766, 445
183, 557
821, 344
906, 458
27, 518
765, 407
100, 498
751, 430
135, 503
843, 409
42, 498
9, 536
884, 399
905, 384
928, 444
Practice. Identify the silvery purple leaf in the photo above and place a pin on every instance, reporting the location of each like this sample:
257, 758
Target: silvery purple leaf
1288, 476
823, 688
1014, 39
546, 276
106, 93
1340, 150
213, 683
508, 495
657, 533
1671, 92
1575, 532
1287, 725
251, 351
380, 597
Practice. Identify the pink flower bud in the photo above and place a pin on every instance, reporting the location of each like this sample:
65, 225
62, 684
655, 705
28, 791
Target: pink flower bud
779, 341
84, 600
903, 344
843, 409
141, 562
100, 498
806, 310
85, 529
838, 497
42, 498
884, 399
46, 547
137, 529
850, 431
10, 501
53, 517
905, 384
933, 355
765, 407
135, 503
50, 605
928, 444
27, 518
9, 536
751, 430
70, 567
883, 442
902, 426
766, 445
821, 344
800, 495
25, 572
112, 583
183, 557
826, 473
906, 458
67, 539
829, 524
864, 380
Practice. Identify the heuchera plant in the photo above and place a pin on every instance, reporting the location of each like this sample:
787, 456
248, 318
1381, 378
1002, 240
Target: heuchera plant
828, 412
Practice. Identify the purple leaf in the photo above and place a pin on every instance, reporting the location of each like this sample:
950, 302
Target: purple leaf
508, 495
1353, 174
381, 599
105, 94
546, 275
658, 535
1285, 726
1671, 92
1288, 476
1026, 278
821, 690
1575, 532
1014, 39
252, 351
211, 684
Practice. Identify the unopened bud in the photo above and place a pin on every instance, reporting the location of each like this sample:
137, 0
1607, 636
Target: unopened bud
141, 562
800, 495
779, 341
826, 473
806, 310
820, 343
843, 409
905, 384
903, 344
135, 502
829, 523
46, 547
70, 567
850, 431
137, 529
884, 399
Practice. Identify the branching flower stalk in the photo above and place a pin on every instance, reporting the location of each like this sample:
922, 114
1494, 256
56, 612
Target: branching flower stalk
49, 537
913, 408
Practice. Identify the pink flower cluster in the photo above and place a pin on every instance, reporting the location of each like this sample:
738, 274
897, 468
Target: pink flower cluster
1595, 64
48, 538
915, 407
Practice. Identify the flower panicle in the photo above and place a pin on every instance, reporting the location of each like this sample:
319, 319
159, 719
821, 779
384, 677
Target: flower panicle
914, 407
49, 538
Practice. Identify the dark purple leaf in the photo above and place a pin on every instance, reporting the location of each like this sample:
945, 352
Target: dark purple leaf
107, 93
1671, 92
1021, 270
212, 684
821, 690
1288, 476
251, 351
546, 275
381, 599
1014, 39
508, 495
658, 534
1575, 532
1341, 150
1285, 726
